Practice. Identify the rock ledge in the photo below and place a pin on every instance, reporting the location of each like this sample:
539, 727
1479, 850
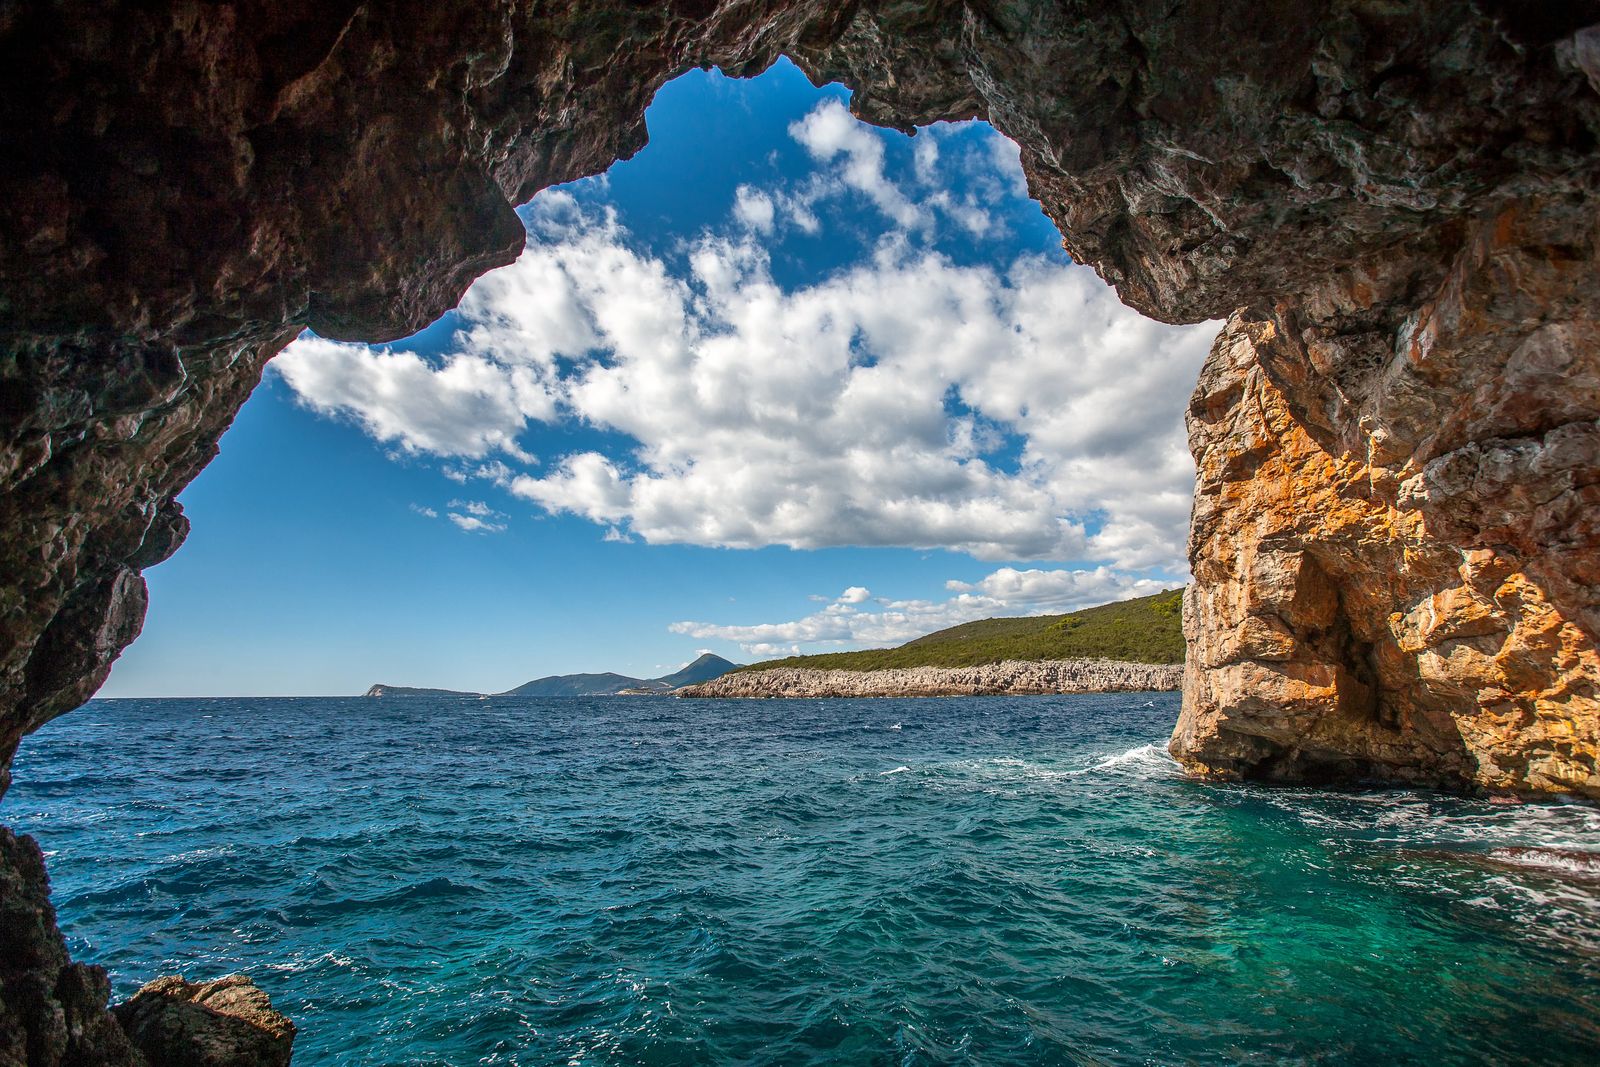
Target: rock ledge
228, 1022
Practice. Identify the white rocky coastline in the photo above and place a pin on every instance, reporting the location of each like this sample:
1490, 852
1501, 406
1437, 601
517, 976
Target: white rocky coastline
1011, 677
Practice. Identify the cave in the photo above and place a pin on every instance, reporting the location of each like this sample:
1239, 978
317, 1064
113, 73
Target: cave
1393, 206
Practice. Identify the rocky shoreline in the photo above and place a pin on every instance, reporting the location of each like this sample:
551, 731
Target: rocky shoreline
54, 1011
1009, 678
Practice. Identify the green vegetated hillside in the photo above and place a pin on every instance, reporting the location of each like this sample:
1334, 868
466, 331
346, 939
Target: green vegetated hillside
1146, 630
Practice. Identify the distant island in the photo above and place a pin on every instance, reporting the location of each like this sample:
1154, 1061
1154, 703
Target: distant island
1130, 645
1148, 629
703, 669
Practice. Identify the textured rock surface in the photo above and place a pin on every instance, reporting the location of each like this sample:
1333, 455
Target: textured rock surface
1333, 634
52, 1011
1012, 677
225, 1023
1396, 533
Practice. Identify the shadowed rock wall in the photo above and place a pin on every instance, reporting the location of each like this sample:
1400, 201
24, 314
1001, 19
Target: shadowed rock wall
1395, 552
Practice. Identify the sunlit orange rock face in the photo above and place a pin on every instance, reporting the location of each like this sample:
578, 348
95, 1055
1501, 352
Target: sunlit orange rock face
1407, 591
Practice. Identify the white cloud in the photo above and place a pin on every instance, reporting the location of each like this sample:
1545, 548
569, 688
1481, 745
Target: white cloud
763, 650
798, 207
1006, 159
1036, 591
753, 208
473, 524
854, 595
494, 471
852, 158
830, 132
425, 512
586, 484
466, 406
1004, 592
1018, 413
966, 213
925, 156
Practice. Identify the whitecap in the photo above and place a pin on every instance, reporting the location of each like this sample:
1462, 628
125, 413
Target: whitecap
1147, 760
897, 770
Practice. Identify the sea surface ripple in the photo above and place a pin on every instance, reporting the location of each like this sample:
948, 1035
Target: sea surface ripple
651, 881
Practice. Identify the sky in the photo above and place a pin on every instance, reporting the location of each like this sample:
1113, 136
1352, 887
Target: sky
781, 382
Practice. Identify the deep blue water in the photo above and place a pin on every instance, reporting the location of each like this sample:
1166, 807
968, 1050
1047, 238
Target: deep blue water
650, 881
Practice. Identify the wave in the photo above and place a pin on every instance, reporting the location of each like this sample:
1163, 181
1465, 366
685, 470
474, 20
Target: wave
1564, 861
1145, 761
1137, 756
1407, 817
897, 770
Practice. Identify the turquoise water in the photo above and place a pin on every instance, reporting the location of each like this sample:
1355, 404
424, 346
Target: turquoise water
648, 881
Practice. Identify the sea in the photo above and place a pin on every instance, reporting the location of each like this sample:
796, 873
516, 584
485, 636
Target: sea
934, 881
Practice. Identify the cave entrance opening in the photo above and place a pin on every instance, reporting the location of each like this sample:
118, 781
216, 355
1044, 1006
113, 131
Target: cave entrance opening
858, 358
859, 354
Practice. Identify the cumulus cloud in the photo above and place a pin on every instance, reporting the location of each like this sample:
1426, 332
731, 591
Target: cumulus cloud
1048, 592
851, 159
1006, 159
1006, 591
907, 401
1017, 412
467, 406
586, 484
473, 516
766, 650
829, 133
810, 418
753, 208
925, 156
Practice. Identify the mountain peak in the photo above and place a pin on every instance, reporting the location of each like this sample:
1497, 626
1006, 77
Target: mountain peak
703, 669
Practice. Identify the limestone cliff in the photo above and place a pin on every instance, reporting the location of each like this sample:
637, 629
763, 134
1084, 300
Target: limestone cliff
1395, 562
1395, 547
1008, 678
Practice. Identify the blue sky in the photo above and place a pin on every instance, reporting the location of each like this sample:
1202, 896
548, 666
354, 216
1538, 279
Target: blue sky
781, 381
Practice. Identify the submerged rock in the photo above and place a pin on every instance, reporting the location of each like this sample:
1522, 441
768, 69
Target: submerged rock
1011, 677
